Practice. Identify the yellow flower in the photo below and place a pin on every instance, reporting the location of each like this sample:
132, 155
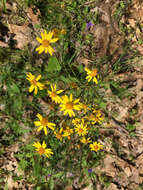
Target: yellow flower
76, 121
91, 74
95, 116
34, 83
68, 105
59, 134
45, 42
63, 31
54, 94
43, 124
84, 107
81, 129
57, 32
85, 141
98, 115
92, 118
41, 149
67, 132
95, 146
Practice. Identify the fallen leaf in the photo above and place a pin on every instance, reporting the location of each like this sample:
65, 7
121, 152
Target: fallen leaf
112, 186
110, 170
127, 171
32, 16
22, 34
2, 44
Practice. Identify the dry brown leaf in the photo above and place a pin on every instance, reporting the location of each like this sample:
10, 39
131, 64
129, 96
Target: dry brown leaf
110, 170
89, 187
127, 171
11, 183
2, 44
122, 179
22, 34
135, 176
32, 16
82, 60
69, 187
112, 186
139, 164
11, 6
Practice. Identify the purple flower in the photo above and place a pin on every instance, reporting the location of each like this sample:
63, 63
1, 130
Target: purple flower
89, 24
89, 170
49, 175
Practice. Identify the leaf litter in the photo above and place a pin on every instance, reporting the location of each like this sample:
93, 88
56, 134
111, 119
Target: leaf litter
124, 162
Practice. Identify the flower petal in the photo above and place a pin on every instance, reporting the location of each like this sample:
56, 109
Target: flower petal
38, 77
39, 116
39, 40
45, 130
36, 90
37, 123
53, 40
43, 144
31, 88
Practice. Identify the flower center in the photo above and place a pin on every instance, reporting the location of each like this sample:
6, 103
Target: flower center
53, 94
92, 117
95, 147
41, 150
69, 105
84, 106
56, 32
45, 43
94, 73
68, 131
34, 82
77, 122
80, 130
44, 122
59, 136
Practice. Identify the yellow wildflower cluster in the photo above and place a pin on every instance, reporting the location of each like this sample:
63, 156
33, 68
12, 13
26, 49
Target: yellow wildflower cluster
79, 116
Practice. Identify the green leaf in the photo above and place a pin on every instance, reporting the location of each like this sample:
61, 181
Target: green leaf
65, 79
13, 89
131, 127
53, 65
80, 68
114, 89
58, 175
102, 105
37, 167
23, 164
68, 79
18, 103
6, 187
51, 183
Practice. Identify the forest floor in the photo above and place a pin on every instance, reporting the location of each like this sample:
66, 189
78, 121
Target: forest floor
117, 41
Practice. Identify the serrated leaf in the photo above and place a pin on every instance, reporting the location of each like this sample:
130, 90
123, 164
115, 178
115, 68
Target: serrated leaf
53, 65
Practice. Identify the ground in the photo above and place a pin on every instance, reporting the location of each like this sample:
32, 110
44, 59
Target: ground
115, 42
